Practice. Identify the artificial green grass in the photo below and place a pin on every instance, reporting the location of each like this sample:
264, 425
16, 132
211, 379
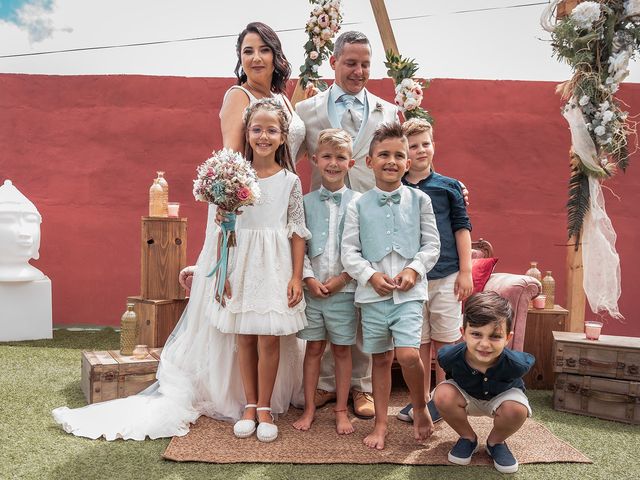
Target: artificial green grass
40, 375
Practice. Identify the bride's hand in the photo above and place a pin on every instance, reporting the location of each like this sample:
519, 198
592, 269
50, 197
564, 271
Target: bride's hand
185, 278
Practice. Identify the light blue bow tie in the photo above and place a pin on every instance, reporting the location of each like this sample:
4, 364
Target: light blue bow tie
384, 198
327, 195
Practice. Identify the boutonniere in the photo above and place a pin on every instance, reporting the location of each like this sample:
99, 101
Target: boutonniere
378, 107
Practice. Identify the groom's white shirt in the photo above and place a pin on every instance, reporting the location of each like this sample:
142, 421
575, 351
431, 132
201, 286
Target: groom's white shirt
321, 112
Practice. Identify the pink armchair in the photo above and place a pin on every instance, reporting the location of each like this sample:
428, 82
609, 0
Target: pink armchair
518, 289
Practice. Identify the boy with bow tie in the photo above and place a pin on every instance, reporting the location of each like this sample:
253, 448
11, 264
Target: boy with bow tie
329, 294
390, 242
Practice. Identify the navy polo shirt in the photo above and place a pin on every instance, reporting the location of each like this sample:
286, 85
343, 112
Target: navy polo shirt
451, 216
505, 374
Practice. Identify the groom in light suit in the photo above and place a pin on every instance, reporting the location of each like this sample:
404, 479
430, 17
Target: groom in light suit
348, 105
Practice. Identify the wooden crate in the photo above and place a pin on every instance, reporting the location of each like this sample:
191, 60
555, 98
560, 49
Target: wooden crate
107, 375
598, 378
164, 254
538, 340
598, 397
156, 319
610, 357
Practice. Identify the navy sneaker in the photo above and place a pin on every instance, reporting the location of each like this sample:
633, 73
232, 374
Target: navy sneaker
462, 451
406, 414
503, 459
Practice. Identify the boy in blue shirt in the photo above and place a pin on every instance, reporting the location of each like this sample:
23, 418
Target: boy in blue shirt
450, 279
389, 244
330, 311
484, 378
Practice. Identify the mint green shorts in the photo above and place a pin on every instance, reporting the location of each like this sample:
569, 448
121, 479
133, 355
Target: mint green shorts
386, 325
332, 319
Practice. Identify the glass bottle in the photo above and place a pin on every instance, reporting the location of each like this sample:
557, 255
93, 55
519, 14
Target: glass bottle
549, 289
535, 273
165, 193
155, 199
128, 330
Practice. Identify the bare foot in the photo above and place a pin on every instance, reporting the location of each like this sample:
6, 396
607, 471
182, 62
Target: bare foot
343, 424
305, 421
376, 438
422, 424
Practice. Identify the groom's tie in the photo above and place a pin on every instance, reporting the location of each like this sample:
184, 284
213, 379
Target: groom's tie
351, 118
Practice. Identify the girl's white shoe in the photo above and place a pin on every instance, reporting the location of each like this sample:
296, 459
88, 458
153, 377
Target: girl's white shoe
267, 432
245, 428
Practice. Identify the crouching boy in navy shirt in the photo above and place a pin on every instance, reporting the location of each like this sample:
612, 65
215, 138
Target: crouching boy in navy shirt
484, 378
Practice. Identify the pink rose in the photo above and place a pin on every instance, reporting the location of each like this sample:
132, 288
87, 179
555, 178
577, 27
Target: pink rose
323, 20
243, 194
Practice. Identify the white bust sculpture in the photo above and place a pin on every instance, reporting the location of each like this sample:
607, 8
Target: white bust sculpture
19, 236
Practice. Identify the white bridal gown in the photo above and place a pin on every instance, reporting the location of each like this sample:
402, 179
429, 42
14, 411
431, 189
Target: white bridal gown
198, 372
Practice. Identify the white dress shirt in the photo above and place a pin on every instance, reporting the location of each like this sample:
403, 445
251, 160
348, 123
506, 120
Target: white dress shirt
328, 264
393, 263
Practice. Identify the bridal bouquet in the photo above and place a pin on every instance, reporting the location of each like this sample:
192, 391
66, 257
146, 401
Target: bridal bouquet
230, 182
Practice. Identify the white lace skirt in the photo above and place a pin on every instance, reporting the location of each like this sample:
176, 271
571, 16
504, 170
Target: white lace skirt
259, 276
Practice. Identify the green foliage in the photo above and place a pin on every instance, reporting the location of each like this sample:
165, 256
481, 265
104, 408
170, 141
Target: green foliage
578, 203
399, 68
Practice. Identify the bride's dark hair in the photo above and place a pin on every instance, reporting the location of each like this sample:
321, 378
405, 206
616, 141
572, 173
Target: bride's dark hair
283, 154
282, 69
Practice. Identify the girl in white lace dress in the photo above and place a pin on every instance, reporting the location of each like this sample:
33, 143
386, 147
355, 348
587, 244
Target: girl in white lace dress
264, 286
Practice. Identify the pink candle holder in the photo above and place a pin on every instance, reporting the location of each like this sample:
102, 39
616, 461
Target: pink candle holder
592, 329
539, 302
173, 209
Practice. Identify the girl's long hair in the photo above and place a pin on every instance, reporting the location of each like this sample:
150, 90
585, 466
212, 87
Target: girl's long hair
283, 154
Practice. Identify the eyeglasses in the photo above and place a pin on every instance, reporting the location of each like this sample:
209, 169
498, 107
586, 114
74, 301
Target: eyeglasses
257, 131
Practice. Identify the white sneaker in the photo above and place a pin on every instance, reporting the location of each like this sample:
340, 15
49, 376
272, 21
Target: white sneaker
267, 432
245, 428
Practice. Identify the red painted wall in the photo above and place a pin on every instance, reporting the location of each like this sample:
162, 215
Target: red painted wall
85, 150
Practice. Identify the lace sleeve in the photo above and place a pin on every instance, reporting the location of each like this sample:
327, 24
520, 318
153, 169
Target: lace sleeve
295, 213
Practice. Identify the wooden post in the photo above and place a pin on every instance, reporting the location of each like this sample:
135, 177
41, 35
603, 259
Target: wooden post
576, 297
384, 26
575, 292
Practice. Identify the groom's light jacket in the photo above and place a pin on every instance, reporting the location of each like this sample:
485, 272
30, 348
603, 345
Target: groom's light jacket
315, 113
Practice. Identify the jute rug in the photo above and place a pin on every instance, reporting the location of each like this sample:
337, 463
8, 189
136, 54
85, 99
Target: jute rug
213, 441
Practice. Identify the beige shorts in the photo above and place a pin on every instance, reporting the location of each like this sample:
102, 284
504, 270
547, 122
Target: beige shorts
442, 312
487, 408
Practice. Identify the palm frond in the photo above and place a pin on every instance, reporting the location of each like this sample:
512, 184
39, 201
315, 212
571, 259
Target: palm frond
578, 203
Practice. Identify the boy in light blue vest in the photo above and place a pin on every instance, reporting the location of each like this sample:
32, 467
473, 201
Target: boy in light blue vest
329, 294
390, 242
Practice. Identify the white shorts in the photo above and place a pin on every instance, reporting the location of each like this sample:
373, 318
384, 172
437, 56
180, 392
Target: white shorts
442, 312
487, 408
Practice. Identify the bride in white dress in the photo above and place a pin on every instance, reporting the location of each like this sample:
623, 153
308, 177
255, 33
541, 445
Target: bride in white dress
198, 372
